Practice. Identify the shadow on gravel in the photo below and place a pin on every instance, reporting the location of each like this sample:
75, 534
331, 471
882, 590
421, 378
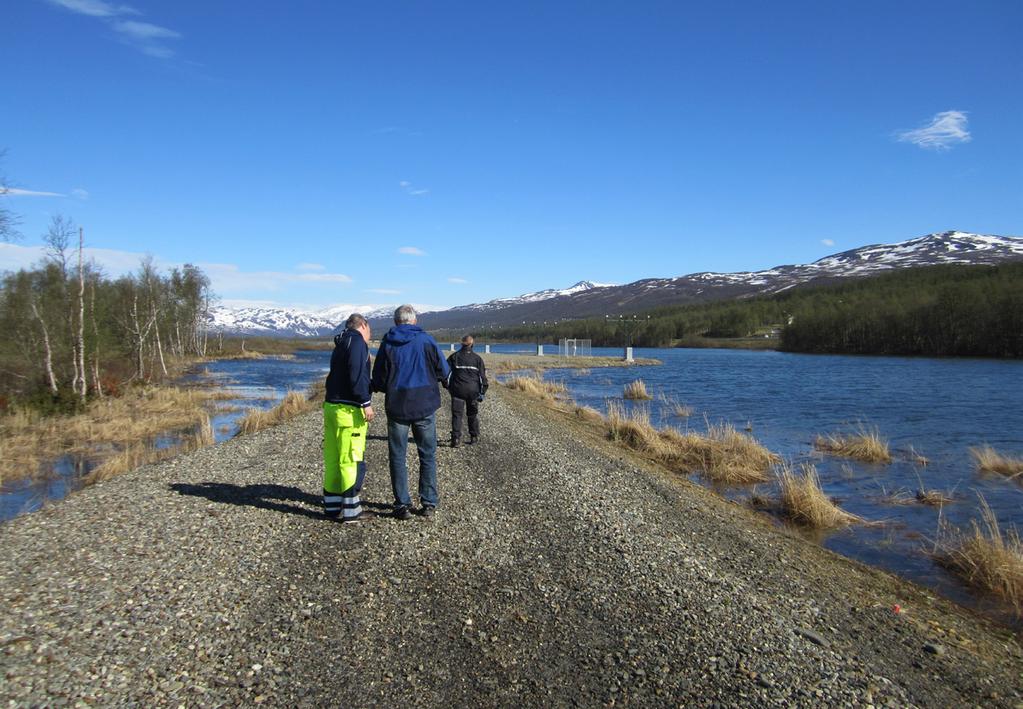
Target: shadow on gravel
266, 497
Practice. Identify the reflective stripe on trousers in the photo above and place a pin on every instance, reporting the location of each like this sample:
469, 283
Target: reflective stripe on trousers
344, 447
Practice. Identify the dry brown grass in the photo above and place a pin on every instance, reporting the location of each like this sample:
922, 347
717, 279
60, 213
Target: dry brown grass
674, 407
114, 423
293, 404
989, 460
804, 502
901, 496
535, 386
244, 354
587, 413
865, 445
142, 453
632, 428
986, 557
636, 390
934, 498
722, 455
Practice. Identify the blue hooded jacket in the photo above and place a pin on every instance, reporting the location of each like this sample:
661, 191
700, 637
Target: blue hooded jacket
407, 368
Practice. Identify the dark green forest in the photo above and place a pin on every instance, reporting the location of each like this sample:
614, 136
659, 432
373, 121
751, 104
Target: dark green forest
937, 311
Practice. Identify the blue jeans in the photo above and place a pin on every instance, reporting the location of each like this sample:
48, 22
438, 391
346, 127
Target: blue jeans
424, 431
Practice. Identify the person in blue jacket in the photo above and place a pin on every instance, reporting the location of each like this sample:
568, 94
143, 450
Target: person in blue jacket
408, 367
347, 411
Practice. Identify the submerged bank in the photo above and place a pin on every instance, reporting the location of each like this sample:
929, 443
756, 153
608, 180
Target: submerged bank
556, 571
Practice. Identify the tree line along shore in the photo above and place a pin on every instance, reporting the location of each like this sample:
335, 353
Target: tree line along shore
947, 310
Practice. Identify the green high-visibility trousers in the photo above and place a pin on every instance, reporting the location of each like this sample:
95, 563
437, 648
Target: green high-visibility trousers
344, 447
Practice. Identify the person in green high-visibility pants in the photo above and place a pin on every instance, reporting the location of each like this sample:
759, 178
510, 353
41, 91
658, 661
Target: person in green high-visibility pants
347, 411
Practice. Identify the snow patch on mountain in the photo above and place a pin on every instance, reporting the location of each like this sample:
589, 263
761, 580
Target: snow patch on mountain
579, 287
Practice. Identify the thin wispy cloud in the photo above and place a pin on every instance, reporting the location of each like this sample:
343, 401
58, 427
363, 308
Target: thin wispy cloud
16, 192
95, 8
411, 251
311, 267
144, 36
227, 279
946, 129
79, 193
828, 242
455, 279
383, 291
412, 190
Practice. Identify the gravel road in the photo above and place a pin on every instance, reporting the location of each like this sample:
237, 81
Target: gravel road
556, 571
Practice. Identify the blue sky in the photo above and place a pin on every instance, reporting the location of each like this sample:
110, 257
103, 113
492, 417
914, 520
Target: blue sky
441, 153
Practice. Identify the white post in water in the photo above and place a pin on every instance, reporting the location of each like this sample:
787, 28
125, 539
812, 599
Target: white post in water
539, 350
628, 355
486, 349
452, 346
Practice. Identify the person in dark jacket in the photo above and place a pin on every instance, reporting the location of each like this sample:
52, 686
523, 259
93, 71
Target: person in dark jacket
467, 386
407, 369
347, 411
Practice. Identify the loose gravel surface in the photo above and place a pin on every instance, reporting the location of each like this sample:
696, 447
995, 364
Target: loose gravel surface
556, 571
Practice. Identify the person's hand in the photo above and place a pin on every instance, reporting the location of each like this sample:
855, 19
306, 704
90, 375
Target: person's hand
479, 398
369, 413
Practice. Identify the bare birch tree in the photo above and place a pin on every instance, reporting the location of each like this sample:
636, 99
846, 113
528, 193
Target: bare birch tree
80, 382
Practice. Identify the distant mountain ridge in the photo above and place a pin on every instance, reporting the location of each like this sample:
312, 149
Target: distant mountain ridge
589, 299
932, 249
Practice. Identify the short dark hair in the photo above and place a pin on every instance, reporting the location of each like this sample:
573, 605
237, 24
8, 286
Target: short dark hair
355, 321
467, 340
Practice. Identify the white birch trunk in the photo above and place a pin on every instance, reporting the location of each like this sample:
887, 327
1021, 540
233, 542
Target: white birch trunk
47, 352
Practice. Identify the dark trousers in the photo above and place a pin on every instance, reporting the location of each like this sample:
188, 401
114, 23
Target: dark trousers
460, 407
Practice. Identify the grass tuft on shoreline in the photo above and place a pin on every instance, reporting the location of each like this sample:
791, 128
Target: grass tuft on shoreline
865, 445
293, 404
723, 455
804, 502
536, 386
636, 390
986, 557
989, 460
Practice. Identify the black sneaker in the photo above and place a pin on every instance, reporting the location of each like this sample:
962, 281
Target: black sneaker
402, 512
455, 443
474, 439
427, 511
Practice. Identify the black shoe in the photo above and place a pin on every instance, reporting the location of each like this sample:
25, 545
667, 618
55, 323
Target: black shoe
402, 512
473, 439
427, 511
455, 443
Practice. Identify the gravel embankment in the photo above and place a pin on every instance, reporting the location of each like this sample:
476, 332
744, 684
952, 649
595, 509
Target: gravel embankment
556, 572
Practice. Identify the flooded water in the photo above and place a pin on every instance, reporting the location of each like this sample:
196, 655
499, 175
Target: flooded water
252, 384
936, 408
256, 383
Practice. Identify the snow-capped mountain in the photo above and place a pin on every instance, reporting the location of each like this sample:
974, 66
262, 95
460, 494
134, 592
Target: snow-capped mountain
932, 249
588, 299
272, 322
533, 297
290, 322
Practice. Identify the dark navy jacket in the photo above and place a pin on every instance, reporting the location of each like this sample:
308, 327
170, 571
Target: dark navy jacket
348, 381
408, 366
468, 374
